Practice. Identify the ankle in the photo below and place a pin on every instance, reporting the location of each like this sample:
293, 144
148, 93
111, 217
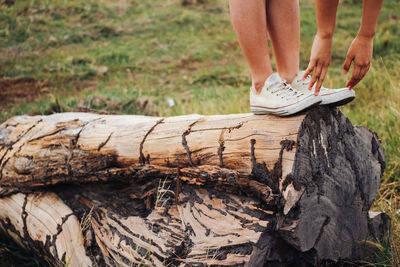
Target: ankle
258, 85
288, 77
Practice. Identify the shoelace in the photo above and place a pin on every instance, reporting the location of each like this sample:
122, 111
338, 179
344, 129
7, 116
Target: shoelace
306, 81
284, 90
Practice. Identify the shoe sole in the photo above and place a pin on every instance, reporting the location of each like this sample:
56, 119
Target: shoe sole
338, 99
287, 110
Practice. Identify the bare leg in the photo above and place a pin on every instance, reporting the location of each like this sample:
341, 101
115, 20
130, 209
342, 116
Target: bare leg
283, 20
249, 20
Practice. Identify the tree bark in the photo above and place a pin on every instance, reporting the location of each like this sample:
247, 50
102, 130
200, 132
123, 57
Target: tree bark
190, 190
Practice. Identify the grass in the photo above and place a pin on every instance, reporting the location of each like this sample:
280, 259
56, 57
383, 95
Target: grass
163, 196
164, 58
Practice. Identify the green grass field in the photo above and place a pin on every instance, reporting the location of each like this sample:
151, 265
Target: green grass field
139, 56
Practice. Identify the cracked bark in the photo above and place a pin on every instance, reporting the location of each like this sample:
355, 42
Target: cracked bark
184, 142
249, 190
101, 145
142, 158
221, 148
9, 142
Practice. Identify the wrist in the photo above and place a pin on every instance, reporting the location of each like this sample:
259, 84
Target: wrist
367, 35
326, 36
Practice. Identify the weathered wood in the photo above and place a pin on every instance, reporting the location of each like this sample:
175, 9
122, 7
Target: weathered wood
191, 190
80, 147
195, 230
45, 224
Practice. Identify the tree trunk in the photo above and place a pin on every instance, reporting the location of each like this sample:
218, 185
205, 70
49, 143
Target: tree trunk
189, 190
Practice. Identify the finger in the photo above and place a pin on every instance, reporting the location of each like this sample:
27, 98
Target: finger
315, 76
365, 70
309, 69
355, 77
347, 63
321, 80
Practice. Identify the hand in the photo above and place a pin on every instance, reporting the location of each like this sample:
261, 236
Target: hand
360, 52
320, 60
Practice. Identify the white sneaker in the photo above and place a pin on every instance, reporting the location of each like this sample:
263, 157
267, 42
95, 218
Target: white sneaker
334, 97
279, 98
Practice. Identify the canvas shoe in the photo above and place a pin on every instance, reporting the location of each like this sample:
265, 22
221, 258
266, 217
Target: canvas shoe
279, 98
334, 97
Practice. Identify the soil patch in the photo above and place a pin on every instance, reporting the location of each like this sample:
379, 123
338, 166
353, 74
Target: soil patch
13, 90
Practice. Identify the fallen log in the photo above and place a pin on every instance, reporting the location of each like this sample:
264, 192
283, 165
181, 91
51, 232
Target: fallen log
190, 190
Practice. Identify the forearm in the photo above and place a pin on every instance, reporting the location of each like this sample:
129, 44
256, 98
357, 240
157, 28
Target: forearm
325, 11
326, 17
369, 20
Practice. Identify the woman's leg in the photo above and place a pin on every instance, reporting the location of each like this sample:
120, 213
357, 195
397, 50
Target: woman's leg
283, 20
249, 20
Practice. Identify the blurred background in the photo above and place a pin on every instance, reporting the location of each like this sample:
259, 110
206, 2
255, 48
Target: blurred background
173, 57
